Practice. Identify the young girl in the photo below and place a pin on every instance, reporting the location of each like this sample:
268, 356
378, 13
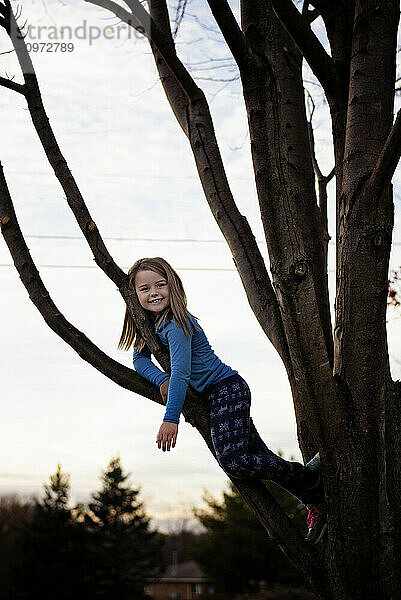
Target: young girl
239, 449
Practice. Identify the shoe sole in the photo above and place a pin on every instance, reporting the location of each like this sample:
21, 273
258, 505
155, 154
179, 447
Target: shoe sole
323, 531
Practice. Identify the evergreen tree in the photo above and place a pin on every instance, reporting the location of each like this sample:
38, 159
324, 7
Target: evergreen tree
235, 552
13, 513
48, 560
123, 551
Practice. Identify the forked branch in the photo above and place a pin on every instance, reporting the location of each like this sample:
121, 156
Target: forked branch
231, 32
39, 295
196, 412
73, 195
57, 160
309, 15
174, 92
150, 30
321, 179
234, 226
12, 85
309, 45
388, 159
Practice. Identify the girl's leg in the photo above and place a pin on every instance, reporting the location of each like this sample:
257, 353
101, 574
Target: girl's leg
239, 448
256, 444
294, 485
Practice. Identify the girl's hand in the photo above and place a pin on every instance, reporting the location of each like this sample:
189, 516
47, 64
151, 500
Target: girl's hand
167, 435
164, 390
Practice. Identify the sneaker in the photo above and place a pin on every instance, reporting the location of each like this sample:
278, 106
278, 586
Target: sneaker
314, 468
317, 523
314, 463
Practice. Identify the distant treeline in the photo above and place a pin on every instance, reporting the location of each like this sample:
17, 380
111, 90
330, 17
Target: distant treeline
105, 549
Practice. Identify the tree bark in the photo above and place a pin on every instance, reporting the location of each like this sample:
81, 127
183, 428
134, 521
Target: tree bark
292, 221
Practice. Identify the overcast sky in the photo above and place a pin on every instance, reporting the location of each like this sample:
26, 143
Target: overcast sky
137, 175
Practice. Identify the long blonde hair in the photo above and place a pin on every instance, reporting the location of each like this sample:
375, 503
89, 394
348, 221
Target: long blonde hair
130, 335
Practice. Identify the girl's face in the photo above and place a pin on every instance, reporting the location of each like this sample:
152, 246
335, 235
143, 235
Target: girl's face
152, 291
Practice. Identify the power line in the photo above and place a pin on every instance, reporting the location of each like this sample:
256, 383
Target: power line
126, 239
190, 240
60, 266
126, 268
123, 175
133, 239
218, 269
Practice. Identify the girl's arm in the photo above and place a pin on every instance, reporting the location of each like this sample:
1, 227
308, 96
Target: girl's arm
144, 367
180, 359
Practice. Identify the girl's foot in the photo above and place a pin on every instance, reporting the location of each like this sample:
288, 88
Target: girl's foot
317, 516
314, 469
317, 523
314, 463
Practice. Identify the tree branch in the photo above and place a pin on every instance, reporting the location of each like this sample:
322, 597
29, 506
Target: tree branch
76, 202
195, 410
12, 85
312, 15
305, 7
58, 162
315, 164
40, 297
126, 17
3, 8
388, 159
234, 226
280, 528
154, 35
309, 45
285, 182
231, 32
309, 15
273, 518
74, 198
321, 5
236, 230
321, 179
174, 93
322, 182
330, 176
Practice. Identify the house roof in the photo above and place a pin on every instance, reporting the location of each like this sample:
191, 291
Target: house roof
188, 571
185, 569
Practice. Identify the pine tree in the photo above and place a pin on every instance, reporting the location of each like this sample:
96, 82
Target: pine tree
14, 511
123, 551
49, 555
235, 551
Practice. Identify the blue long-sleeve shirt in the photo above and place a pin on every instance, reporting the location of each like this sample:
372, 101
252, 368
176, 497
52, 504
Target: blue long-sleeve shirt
192, 362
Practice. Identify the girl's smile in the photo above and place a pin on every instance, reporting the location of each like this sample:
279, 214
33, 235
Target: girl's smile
152, 291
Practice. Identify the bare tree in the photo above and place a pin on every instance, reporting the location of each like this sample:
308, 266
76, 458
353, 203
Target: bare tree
394, 288
346, 404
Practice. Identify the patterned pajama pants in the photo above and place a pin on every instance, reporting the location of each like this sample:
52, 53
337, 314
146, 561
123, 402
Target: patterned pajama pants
239, 448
